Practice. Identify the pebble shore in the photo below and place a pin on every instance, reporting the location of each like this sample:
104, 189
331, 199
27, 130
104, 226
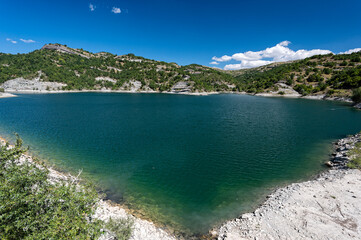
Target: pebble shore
328, 207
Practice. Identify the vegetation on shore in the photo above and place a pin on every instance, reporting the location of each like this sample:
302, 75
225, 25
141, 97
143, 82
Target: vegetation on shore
333, 75
33, 207
355, 162
356, 95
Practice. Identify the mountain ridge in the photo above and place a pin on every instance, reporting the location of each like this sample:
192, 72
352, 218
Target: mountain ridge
78, 69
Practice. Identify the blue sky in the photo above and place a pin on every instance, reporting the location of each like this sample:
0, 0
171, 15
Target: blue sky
184, 32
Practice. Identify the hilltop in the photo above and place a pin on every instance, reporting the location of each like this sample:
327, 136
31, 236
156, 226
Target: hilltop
59, 67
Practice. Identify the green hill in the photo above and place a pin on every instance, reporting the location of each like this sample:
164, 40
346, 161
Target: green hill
80, 69
333, 75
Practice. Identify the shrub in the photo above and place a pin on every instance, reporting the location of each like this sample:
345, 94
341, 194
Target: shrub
33, 208
356, 95
330, 92
344, 63
326, 71
356, 153
120, 228
303, 89
2, 90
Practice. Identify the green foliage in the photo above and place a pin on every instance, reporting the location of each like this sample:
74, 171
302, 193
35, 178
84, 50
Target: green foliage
81, 73
33, 208
356, 153
2, 90
314, 78
347, 79
329, 71
303, 89
120, 228
356, 95
330, 92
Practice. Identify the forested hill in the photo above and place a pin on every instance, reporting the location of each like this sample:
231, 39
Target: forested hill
80, 69
77, 69
321, 74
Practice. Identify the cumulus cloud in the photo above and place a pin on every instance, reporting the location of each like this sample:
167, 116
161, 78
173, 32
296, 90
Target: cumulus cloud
224, 58
246, 64
116, 10
27, 41
351, 51
10, 40
214, 63
92, 7
279, 53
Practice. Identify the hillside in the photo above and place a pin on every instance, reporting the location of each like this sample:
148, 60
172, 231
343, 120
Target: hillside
78, 69
333, 75
58, 67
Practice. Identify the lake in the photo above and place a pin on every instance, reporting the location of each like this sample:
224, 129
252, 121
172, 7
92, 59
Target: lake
188, 162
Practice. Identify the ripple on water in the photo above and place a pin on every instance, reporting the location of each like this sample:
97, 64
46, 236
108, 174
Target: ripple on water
188, 162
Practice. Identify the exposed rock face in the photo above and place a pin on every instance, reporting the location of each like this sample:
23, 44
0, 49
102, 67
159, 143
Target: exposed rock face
22, 84
63, 49
132, 86
181, 87
326, 208
106, 79
283, 90
358, 105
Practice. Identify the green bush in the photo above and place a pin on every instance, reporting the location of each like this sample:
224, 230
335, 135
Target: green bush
330, 92
356, 95
33, 208
356, 153
120, 228
2, 90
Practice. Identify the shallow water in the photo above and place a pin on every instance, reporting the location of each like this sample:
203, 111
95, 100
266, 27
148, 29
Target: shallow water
185, 161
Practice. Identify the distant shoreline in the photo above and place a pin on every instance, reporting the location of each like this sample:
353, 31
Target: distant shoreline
265, 94
109, 91
6, 95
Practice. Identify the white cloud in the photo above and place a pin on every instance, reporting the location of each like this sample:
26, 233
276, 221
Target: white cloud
214, 63
27, 41
92, 7
10, 40
116, 10
351, 51
279, 53
224, 58
247, 64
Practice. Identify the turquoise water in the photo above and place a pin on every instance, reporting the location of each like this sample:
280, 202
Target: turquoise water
188, 162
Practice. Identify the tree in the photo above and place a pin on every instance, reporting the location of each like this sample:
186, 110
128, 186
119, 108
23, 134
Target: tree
356, 95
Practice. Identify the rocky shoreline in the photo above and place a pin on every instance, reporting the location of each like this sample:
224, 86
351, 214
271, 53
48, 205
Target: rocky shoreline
142, 229
6, 95
327, 207
290, 95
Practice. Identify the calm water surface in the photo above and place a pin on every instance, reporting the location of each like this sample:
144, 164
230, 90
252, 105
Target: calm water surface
185, 161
